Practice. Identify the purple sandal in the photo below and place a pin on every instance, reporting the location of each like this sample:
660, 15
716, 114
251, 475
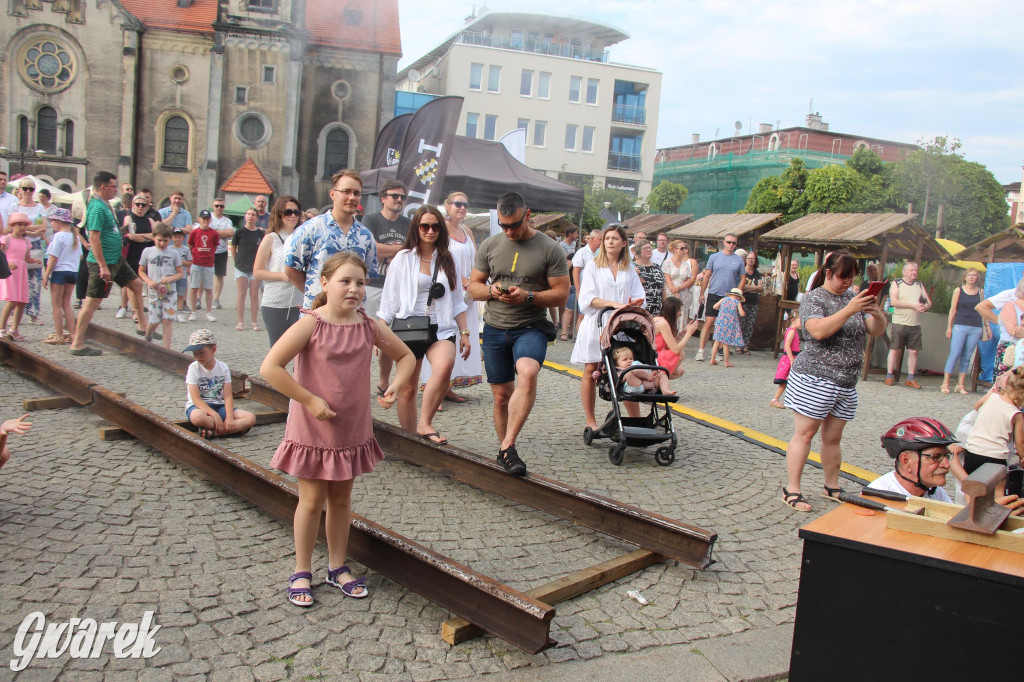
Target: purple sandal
349, 588
294, 592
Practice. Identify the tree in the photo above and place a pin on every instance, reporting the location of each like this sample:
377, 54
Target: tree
594, 200
781, 195
667, 197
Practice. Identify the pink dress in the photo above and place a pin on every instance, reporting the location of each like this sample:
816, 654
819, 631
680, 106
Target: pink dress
333, 366
15, 287
782, 371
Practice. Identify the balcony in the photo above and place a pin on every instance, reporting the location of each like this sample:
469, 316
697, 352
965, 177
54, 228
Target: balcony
624, 113
625, 162
535, 46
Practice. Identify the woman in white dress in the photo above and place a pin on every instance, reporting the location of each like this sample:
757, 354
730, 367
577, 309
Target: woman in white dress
680, 274
467, 372
610, 281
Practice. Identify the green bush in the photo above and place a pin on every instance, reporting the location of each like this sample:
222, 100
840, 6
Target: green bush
938, 279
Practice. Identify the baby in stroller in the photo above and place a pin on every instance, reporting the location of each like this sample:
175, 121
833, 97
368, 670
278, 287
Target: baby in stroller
639, 380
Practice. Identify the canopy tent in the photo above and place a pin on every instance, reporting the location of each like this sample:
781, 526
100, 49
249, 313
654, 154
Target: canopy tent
1003, 247
484, 170
239, 206
954, 248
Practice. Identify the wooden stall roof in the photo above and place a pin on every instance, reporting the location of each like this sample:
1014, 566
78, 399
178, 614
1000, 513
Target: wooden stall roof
1003, 247
656, 223
714, 227
861, 233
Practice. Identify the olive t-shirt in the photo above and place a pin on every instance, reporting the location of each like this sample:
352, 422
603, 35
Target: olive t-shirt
526, 264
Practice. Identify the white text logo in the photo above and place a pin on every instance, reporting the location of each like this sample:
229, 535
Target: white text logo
81, 638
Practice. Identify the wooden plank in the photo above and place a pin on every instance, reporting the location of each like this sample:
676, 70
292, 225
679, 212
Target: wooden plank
117, 433
456, 630
933, 523
57, 402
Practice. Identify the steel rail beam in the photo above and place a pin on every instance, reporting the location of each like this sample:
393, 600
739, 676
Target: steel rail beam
508, 613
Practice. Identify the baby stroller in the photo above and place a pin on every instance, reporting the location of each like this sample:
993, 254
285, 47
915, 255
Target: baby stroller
633, 327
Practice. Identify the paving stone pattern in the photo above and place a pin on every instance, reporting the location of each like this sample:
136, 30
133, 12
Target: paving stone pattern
109, 530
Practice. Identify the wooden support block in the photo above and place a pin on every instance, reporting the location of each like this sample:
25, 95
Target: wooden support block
57, 402
934, 522
117, 433
456, 629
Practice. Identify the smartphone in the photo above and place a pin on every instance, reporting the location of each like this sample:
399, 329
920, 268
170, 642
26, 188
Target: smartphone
106, 288
875, 288
504, 290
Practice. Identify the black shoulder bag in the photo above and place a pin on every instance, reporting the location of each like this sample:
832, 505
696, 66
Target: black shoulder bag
414, 331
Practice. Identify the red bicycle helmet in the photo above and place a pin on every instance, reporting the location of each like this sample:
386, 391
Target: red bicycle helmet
916, 433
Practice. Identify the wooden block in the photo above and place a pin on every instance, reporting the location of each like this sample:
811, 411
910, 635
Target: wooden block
117, 433
457, 629
936, 516
57, 402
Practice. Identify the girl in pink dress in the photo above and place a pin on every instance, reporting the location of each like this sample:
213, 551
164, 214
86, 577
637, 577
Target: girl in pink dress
790, 347
14, 289
328, 440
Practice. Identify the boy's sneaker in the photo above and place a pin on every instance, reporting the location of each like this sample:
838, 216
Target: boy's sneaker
120, 314
699, 357
192, 316
180, 317
217, 305
210, 317
185, 309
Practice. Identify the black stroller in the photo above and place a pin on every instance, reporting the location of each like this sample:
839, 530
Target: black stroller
633, 327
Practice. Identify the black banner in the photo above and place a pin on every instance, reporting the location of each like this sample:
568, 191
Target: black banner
427, 150
387, 149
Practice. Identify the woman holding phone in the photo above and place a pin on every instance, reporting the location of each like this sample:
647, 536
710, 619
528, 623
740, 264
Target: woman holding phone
610, 281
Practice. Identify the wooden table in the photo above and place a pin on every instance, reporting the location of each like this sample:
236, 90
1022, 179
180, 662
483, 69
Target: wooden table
876, 603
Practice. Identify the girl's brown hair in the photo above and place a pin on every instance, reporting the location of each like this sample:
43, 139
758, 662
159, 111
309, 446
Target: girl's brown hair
670, 309
277, 212
1014, 388
331, 266
444, 256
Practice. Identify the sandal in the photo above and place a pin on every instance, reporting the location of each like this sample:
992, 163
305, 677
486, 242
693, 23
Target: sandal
349, 588
256, 327
15, 335
294, 592
454, 398
563, 337
509, 460
961, 390
53, 340
239, 327
832, 493
944, 389
429, 437
793, 499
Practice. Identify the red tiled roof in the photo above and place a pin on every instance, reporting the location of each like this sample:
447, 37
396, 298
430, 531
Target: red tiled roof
198, 18
248, 179
377, 29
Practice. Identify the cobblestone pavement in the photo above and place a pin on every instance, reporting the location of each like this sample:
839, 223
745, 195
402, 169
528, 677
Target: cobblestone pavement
109, 530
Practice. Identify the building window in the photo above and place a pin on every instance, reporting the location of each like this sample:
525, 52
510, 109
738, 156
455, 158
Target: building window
476, 74
23, 143
570, 137
241, 95
490, 124
472, 121
47, 64
46, 130
592, 91
626, 153
269, 75
544, 85
540, 130
268, 6
69, 138
176, 133
630, 102
526, 85
515, 40
335, 152
575, 83
588, 138
493, 78
253, 129
523, 123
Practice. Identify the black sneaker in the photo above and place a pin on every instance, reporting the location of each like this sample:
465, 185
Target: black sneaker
88, 351
156, 335
509, 459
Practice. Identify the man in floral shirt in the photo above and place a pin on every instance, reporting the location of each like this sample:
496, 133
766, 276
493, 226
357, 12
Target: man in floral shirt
319, 238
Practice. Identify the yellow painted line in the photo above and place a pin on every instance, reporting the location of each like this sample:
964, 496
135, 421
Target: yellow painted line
726, 425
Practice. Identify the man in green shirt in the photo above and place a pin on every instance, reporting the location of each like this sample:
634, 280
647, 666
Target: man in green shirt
106, 266
528, 274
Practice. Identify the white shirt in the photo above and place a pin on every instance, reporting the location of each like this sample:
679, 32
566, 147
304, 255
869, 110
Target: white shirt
64, 248
211, 383
222, 223
401, 289
658, 257
598, 282
7, 202
891, 483
1000, 300
583, 256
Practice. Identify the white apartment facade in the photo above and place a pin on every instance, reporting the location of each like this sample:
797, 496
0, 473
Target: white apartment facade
585, 117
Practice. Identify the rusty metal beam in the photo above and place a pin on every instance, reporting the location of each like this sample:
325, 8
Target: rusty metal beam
48, 373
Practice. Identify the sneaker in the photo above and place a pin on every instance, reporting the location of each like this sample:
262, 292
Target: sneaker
217, 305
77, 305
192, 316
155, 335
88, 350
699, 357
120, 314
509, 459
180, 317
185, 309
210, 317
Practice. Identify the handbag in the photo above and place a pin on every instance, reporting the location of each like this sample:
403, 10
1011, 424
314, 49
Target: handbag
38, 255
414, 331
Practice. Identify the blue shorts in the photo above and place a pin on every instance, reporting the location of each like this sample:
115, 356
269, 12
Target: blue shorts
220, 410
502, 348
571, 303
181, 286
63, 277
818, 398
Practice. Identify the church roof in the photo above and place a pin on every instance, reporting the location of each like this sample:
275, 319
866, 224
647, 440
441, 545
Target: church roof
357, 24
198, 17
248, 179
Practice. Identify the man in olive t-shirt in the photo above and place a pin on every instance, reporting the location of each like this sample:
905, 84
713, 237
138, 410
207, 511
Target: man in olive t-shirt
527, 274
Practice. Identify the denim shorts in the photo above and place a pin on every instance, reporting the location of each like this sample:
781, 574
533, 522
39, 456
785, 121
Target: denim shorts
571, 303
502, 348
220, 410
63, 277
181, 286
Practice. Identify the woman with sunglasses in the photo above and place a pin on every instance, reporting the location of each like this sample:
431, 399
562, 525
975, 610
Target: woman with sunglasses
424, 279
36, 234
281, 300
680, 274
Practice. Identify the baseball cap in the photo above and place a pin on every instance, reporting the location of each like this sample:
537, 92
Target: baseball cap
199, 339
62, 215
205, 214
177, 230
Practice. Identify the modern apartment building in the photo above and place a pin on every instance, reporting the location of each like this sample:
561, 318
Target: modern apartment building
585, 116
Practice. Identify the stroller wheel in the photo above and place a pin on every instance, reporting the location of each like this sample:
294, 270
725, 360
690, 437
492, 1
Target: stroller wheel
665, 456
615, 454
588, 436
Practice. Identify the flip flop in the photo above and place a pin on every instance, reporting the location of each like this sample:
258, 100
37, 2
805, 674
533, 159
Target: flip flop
239, 327
456, 399
429, 437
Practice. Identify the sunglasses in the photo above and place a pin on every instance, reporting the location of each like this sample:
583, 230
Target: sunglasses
218, 205
400, 197
430, 227
460, 204
731, 243
290, 212
140, 205
512, 226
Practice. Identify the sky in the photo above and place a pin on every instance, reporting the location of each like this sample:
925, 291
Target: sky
902, 70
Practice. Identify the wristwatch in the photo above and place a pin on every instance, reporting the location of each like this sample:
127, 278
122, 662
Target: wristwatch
529, 298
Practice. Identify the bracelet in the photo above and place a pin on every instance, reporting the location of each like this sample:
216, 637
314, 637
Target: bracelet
464, 332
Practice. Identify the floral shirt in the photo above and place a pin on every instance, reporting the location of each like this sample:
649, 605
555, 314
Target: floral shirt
837, 358
654, 281
319, 238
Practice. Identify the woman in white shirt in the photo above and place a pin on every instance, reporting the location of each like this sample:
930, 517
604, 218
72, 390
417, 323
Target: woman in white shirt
281, 300
424, 279
609, 282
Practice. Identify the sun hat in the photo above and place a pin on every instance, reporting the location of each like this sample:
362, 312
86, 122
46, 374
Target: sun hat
62, 215
18, 217
199, 339
738, 292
